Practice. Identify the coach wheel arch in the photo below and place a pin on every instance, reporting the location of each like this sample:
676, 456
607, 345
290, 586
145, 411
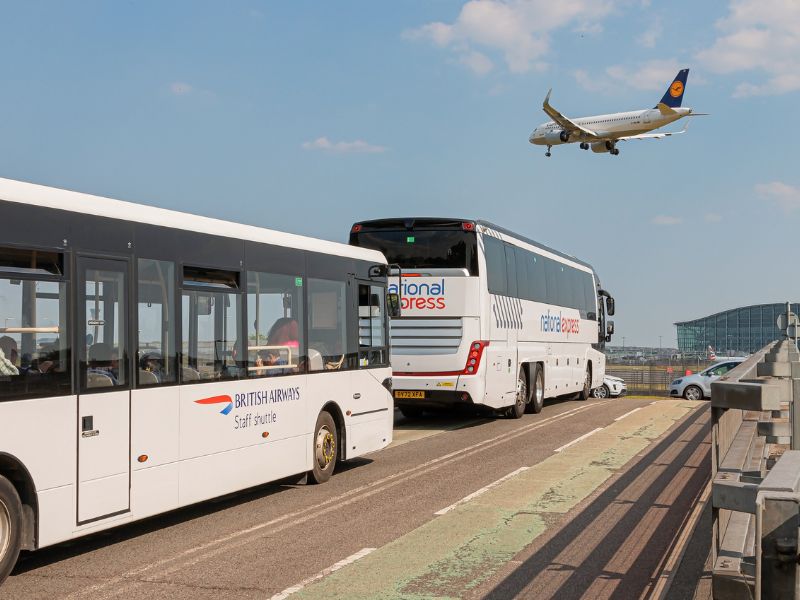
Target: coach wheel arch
12, 469
587, 382
338, 419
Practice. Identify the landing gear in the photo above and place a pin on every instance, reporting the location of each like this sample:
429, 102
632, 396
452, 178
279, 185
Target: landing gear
547, 154
584, 146
615, 151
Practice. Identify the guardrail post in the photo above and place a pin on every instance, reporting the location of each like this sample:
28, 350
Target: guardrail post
778, 519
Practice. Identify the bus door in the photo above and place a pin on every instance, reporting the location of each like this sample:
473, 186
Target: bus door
103, 428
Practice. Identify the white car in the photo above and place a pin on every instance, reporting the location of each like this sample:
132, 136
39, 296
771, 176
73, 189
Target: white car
612, 386
698, 386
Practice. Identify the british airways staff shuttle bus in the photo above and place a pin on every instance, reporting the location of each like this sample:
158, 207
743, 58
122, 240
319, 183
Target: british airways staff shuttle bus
151, 359
488, 317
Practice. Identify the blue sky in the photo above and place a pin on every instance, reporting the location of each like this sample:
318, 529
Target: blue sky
307, 116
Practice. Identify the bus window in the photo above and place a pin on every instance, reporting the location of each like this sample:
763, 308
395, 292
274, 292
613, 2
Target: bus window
275, 335
327, 334
371, 326
157, 354
34, 348
103, 360
495, 265
211, 322
511, 271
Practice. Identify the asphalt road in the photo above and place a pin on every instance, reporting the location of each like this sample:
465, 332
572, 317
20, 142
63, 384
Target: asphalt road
522, 512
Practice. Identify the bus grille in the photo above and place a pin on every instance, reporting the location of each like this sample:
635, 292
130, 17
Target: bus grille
426, 336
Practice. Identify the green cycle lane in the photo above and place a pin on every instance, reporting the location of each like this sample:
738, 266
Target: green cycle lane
456, 552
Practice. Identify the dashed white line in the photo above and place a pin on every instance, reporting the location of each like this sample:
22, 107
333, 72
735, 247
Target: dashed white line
324, 573
580, 439
481, 491
121, 584
627, 414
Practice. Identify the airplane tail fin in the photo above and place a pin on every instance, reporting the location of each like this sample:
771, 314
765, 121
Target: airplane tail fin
674, 94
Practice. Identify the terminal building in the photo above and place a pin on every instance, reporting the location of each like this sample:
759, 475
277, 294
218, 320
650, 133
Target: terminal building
734, 332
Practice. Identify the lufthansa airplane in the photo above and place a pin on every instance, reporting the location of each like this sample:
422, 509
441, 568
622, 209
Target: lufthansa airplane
602, 132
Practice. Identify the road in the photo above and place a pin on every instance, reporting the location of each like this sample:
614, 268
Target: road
582, 500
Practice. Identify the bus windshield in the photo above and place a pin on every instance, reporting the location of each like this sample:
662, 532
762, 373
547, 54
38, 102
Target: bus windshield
423, 248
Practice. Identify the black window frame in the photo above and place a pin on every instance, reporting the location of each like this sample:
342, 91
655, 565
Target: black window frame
65, 279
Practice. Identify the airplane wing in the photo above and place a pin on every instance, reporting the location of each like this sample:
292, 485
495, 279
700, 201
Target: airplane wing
650, 136
566, 123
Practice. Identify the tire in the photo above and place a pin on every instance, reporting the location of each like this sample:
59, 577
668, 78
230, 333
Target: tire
587, 384
601, 392
522, 396
10, 527
412, 412
537, 391
324, 449
693, 392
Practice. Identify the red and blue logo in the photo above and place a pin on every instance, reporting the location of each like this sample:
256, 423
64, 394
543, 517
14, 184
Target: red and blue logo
224, 399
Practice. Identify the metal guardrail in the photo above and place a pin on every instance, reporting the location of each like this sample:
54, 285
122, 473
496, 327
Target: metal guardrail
755, 493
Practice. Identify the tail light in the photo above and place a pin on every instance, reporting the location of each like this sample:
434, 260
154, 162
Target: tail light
356, 228
474, 356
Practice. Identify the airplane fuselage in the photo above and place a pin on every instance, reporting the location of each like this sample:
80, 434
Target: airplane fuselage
607, 127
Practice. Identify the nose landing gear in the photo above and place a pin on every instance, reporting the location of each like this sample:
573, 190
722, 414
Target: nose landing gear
548, 153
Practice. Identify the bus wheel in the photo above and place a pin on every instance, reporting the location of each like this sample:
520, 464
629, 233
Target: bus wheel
537, 391
522, 397
10, 526
326, 447
587, 385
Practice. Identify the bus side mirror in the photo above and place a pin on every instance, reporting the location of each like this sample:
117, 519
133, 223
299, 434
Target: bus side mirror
592, 316
393, 305
610, 306
610, 328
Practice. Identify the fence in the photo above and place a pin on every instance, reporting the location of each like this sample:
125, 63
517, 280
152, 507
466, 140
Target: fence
653, 379
755, 493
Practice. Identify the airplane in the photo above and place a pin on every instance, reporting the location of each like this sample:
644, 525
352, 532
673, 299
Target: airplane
602, 132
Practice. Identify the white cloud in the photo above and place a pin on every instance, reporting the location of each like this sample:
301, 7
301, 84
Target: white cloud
787, 197
713, 217
180, 88
357, 146
760, 36
649, 36
517, 29
666, 220
477, 62
653, 75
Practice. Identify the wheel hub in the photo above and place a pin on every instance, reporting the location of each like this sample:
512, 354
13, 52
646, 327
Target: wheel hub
325, 447
522, 391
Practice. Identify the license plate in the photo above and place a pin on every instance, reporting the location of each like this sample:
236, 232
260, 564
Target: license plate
408, 394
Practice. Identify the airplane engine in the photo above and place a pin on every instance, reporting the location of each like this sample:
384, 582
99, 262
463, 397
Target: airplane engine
600, 147
558, 136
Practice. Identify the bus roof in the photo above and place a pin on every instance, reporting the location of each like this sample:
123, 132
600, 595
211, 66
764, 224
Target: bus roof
453, 222
60, 199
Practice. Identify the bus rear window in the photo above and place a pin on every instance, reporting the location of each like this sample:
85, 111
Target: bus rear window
423, 248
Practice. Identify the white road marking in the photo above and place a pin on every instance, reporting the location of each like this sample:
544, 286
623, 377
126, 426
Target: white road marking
122, 583
580, 439
324, 573
483, 490
627, 414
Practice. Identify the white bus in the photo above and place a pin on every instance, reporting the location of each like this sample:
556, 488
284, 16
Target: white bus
151, 359
488, 317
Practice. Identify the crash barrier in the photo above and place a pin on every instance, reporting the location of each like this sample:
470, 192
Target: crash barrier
755, 494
